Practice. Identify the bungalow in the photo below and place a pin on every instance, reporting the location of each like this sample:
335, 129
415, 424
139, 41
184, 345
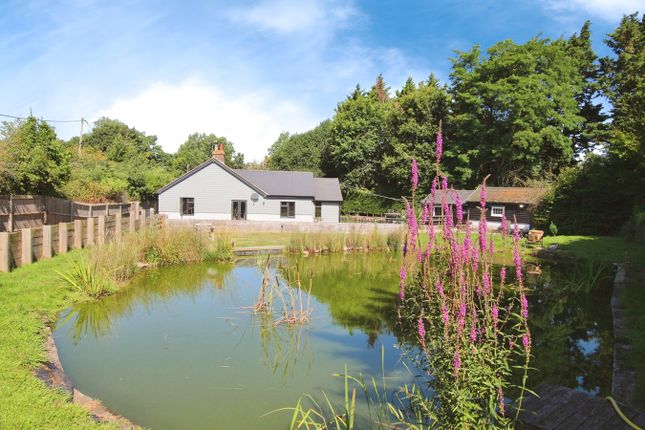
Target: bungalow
214, 191
514, 202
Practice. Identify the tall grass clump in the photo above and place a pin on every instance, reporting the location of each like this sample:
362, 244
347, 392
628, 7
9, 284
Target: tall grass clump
85, 278
351, 241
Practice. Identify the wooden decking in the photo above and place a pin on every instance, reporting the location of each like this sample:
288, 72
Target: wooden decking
564, 408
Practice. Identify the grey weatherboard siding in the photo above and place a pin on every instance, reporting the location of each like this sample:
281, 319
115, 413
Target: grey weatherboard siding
214, 186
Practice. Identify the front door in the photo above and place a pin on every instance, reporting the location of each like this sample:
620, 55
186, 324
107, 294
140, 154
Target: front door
238, 209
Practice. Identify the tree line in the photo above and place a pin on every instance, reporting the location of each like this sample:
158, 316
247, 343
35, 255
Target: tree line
112, 162
547, 112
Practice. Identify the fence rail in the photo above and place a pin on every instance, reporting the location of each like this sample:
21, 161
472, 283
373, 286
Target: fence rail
32, 244
18, 212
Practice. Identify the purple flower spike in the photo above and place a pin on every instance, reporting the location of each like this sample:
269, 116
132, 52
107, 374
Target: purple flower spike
415, 175
439, 146
425, 214
460, 209
526, 341
456, 362
422, 332
524, 305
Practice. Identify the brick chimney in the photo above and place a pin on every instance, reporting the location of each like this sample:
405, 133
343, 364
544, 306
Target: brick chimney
218, 152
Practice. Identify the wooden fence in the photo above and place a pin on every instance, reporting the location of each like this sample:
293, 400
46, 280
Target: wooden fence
18, 212
32, 244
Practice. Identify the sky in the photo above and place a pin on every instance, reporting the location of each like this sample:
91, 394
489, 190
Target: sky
249, 70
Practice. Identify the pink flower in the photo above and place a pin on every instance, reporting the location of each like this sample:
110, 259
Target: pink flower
456, 362
504, 225
486, 282
444, 314
439, 286
415, 175
502, 275
439, 146
524, 305
473, 329
482, 196
526, 341
516, 253
413, 228
444, 183
495, 313
460, 209
403, 275
425, 214
422, 332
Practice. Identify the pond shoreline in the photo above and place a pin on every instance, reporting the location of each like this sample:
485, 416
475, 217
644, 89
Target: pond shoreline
53, 375
623, 380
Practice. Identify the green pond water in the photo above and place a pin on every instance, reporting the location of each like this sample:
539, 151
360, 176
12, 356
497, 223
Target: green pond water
180, 349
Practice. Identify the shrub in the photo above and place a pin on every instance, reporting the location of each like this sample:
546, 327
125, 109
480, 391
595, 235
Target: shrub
553, 229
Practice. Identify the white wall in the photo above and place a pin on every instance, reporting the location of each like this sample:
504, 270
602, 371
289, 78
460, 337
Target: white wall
213, 189
330, 211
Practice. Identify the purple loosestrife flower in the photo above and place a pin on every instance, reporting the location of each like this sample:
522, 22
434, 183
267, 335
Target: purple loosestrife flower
403, 275
460, 209
475, 258
422, 332
439, 147
433, 190
424, 214
444, 313
526, 341
516, 253
495, 312
524, 305
461, 322
465, 250
439, 286
473, 327
486, 282
415, 175
482, 195
413, 228
456, 362
444, 183
504, 225
502, 275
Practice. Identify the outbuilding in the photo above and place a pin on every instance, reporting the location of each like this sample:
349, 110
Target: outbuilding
214, 191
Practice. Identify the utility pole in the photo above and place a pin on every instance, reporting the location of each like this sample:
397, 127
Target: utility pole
80, 139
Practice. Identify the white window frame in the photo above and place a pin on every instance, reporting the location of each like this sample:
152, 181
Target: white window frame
498, 208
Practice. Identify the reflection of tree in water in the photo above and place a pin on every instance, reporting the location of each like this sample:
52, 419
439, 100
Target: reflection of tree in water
359, 289
572, 327
284, 347
94, 318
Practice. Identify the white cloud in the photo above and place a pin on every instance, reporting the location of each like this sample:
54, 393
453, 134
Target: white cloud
608, 10
289, 16
251, 121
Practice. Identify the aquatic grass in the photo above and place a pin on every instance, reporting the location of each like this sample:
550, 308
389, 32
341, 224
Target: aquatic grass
353, 240
85, 278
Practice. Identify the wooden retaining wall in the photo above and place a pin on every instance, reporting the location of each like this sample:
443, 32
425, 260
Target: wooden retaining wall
32, 244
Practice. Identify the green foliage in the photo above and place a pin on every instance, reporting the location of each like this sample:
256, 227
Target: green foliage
34, 160
199, 148
85, 278
553, 229
301, 151
634, 228
364, 202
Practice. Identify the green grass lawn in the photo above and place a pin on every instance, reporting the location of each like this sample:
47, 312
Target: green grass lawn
608, 249
28, 296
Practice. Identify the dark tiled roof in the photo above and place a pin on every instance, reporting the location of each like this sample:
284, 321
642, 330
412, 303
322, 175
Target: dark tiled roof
451, 196
281, 183
327, 190
528, 195
271, 183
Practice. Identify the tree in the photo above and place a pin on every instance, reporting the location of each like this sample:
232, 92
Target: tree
413, 124
301, 151
36, 161
359, 132
199, 148
512, 110
120, 142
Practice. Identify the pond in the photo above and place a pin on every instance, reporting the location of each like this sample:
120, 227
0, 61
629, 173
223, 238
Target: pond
181, 348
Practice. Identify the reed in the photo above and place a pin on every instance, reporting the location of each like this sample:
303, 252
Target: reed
86, 279
351, 241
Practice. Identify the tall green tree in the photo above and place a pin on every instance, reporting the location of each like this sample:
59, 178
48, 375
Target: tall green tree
301, 151
120, 142
413, 123
512, 110
36, 161
199, 148
359, 133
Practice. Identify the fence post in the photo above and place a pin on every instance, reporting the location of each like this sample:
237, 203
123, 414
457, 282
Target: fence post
78, 233
4, 252
90, 230
10, 213
132, 221
62, 237
47, 241
142, 223
101, 234
27, 243
117, 225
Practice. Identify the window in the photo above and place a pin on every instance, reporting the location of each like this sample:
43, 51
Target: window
437, 211
318, 213
497, 211
287, 209
187, 206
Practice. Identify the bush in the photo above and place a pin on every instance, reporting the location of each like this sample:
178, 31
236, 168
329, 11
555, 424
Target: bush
553, 229
634, 228
366, 203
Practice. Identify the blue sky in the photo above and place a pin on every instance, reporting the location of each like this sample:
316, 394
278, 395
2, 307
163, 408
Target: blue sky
248, 70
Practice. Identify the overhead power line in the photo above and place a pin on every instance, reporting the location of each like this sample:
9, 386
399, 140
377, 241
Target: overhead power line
44, 119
